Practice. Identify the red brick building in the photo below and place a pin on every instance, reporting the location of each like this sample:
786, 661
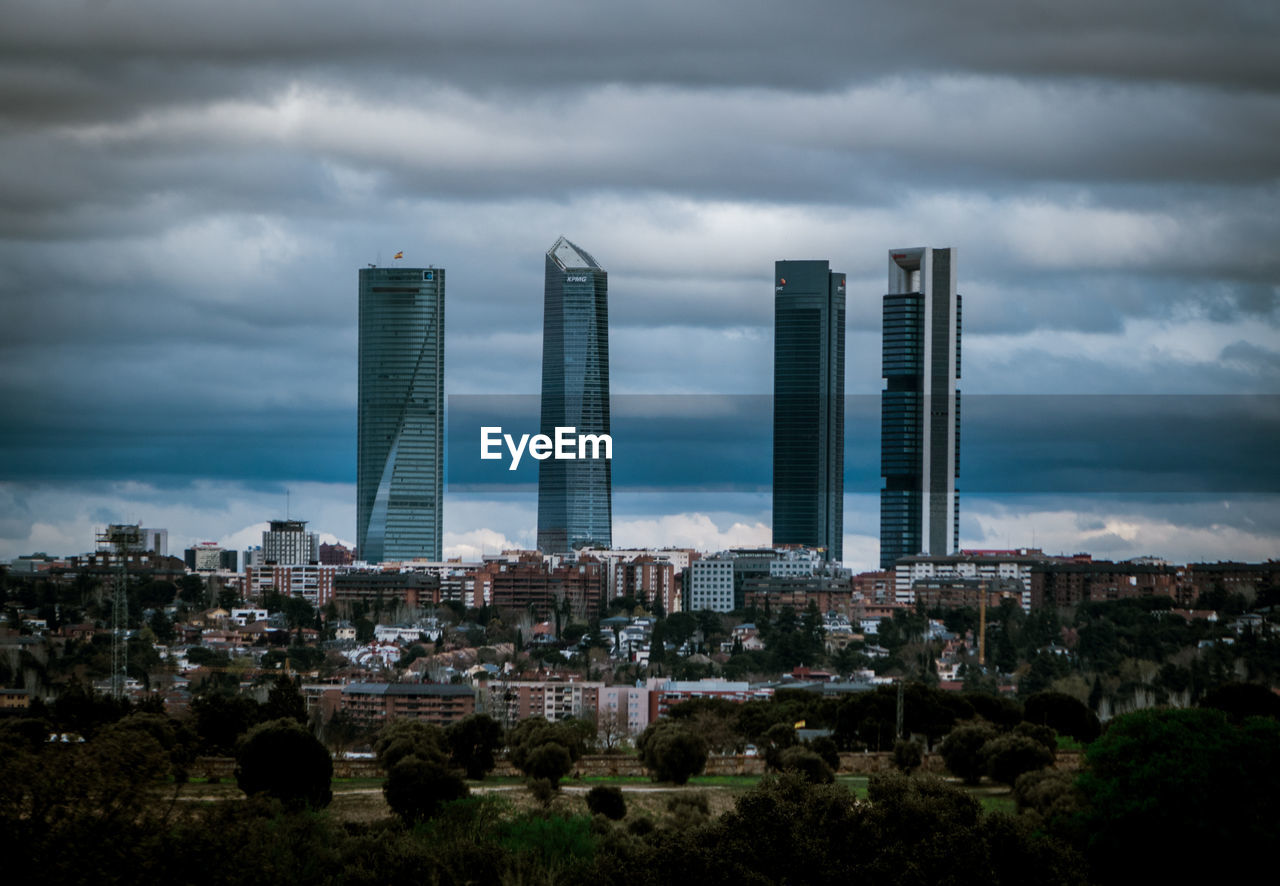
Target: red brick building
530, 585
1071, 583
374, 703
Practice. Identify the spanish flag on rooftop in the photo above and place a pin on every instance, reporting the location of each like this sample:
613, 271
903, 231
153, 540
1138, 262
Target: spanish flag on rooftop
400, 254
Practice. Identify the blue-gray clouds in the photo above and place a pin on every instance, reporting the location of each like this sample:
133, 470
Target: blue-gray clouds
187, 190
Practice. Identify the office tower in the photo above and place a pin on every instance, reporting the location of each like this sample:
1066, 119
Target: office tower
400, 459
574, 497
920, 406
808, 407
287, 543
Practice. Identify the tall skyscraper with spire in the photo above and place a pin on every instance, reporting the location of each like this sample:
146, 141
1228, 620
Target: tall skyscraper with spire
575, 504
808, 406
920, 406
400, 435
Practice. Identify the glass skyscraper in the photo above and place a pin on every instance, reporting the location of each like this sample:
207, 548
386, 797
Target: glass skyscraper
575, 506
808, 406
400, 439
920, 406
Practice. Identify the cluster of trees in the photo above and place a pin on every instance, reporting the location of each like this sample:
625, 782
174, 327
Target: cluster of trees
106, 806
103, 809
546, 751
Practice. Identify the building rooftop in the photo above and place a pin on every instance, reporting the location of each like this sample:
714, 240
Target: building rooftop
407, 689
569, 255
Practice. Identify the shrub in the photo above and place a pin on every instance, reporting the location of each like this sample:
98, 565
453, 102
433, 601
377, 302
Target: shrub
283, 760
961, 750
825, 747
1051, 797
1043, 734
607, 801
671, 752
1009, 756
409, 738
418, 789
691, 801
774, 740
542, 790
907, 756
808, 764
550, 761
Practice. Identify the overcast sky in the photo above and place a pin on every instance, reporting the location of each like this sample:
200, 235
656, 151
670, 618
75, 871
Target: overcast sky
188, 189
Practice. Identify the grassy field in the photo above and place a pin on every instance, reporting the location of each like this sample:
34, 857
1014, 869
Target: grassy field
360, 799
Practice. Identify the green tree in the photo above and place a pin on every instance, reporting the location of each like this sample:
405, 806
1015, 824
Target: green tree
1190, 773
1064, 714
548, 762
961, 751
191, 590
410, 738
162, 627
473, 740
776, 739
1009, 756
807, 763
907, 756
282, 759
671, 752
417, 789
221, 719
1242, 700
285, 701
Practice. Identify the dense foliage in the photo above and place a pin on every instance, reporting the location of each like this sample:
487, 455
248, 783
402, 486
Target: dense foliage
608, 801
283, 760
672, 752
1190, 773
103, 809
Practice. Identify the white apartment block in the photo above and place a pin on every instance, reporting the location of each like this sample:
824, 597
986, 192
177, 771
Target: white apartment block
709, 584
984, 566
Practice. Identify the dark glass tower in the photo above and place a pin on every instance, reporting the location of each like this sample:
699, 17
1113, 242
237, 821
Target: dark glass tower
574, 497
920, 407
400, 457
808, 406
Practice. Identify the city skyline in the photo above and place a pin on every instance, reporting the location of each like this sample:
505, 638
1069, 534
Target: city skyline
186, 199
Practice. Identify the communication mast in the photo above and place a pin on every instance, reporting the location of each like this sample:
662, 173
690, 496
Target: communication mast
120, 539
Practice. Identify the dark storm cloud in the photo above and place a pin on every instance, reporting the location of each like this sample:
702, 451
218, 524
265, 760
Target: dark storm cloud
186, 190
169, 449
1010, 444
810, 45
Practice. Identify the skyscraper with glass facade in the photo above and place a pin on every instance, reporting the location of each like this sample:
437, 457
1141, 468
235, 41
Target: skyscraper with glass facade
400, 437
920, 406
575, 507
808, 406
